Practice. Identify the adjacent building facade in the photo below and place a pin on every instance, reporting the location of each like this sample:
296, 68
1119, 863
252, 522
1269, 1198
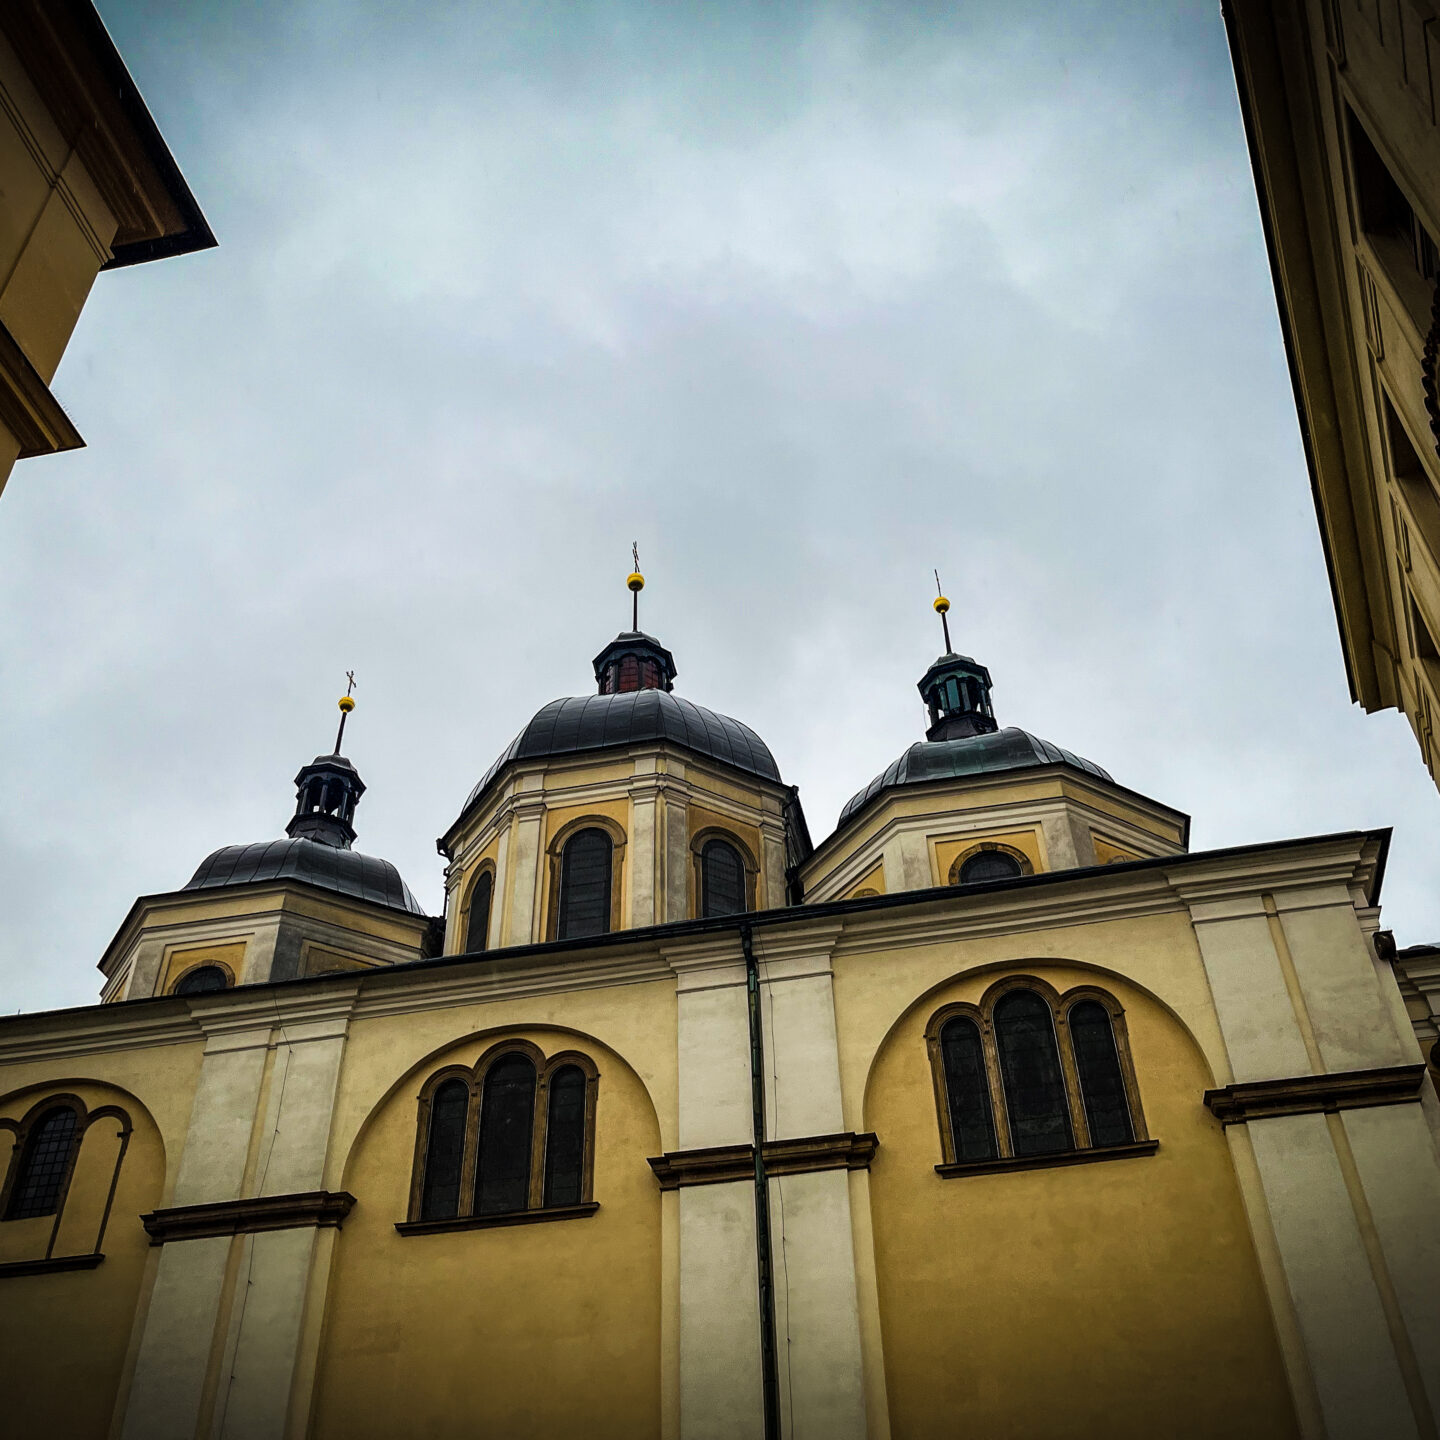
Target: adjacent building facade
997, 1112
86, 184
1341, 101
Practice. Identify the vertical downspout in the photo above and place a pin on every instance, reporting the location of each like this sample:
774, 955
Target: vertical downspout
769, 1365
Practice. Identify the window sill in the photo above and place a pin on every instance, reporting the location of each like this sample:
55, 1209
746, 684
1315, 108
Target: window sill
489, 1222
1042, 1162
49, 1267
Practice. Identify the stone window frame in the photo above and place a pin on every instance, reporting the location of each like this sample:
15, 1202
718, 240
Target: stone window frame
474, 1078
485, 867
220, 965
698, 841
1027, 866
554, 853
1060, 1006
20, 1132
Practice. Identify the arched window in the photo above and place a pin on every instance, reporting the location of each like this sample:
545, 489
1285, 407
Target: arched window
1102, 1084
967, 1091
45, 1165
722, 879
565, 1137
989, 865
201, 980
529, 1123
477, 927
584, 900
444, 1150
1030, 1068
507, 1126
1029, 1074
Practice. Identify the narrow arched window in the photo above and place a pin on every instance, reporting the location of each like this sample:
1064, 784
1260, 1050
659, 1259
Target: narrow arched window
565, 1137
722, 879
477, 928
1030, 1072
201, 980
44, 1165
584, 902
989, 865
1102, 1085
967, 1091
507, 1119
444, 1148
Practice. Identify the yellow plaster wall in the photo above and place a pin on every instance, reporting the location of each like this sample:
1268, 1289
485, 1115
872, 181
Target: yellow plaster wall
178, 961
1116, 1299
946, 851
1108, 854
64, 1336
529, 1330
318, 959
873, 881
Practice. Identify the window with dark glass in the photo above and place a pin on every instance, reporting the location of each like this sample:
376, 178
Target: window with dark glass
989, 865
44, 1164
445, 1147
1035, 1100
722, 879
584, 902
967, 1091
1102, 1085
201, 980
527, 1122
477, 927
565, 1137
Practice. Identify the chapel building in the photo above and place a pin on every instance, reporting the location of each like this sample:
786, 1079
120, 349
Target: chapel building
998, 1112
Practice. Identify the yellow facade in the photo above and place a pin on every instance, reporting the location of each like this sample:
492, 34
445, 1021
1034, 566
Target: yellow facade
1341, 103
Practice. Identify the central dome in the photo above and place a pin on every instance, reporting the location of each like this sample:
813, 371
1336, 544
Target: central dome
600, 722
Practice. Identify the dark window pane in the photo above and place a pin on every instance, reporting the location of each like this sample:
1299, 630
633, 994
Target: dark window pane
967, 1089
477, 929
43, 1165
1030, 1067
440, 1195
989, 865
565, 1137
200, 980
1102, 1087
722, 879
507, 1122
585, 886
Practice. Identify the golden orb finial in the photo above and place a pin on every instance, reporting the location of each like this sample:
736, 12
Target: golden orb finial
941, 604
942, 609
636, 581
347, 703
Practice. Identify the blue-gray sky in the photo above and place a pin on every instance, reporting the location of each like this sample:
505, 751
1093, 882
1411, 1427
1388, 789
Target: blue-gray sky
808, 299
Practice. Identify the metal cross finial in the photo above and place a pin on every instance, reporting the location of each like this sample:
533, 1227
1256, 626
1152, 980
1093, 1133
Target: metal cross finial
350, 676
346, 706
942, 607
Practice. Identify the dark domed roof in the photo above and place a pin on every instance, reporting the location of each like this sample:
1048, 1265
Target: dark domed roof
597, 722
1008, 749
331, 868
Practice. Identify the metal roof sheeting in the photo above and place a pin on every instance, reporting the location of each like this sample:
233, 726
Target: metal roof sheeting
347, 872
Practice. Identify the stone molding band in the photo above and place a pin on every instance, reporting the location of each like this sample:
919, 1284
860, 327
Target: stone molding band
27, 408
1316, 1094
50, 1265
324, 1208
720, 1164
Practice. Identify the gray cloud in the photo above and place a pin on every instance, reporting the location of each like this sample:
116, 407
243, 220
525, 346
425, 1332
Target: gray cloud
806, 298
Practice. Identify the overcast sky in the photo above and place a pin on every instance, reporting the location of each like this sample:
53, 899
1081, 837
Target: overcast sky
808, 299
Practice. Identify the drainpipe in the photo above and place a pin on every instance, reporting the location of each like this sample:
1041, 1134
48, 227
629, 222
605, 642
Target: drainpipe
765, 1273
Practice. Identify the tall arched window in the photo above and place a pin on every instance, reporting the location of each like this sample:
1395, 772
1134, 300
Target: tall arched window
989, 865
201, 980
967, 1090
45, 1165
1030, 1077
1102, 1085
477, 927
1030, 1069
722, 879
444, 1150
528, 1122
584, 900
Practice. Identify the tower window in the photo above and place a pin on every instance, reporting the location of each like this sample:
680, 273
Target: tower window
583, 905
477, 925
1029, 1076
202, 980
511, 1138
45, 1164
722, 879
